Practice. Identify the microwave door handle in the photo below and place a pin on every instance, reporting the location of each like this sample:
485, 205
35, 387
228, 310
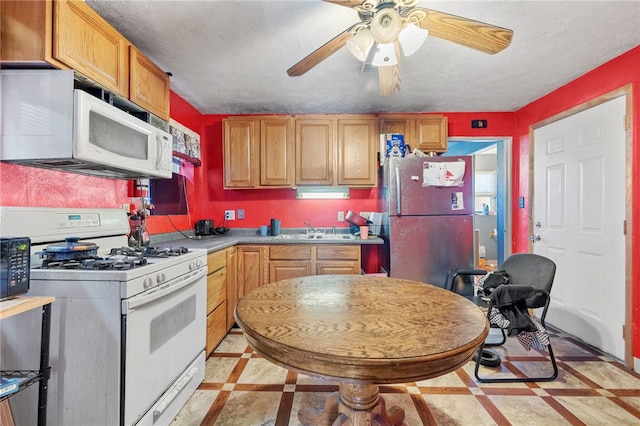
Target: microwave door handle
160, 153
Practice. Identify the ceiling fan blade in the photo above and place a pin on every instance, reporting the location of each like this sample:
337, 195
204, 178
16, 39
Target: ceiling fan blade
389, 79
389, 76
467, 32
320, 54
346, 3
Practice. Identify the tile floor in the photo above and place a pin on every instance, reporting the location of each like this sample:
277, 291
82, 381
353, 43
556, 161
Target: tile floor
243, 389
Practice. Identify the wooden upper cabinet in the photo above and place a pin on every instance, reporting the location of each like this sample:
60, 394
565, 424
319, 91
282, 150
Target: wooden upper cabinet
258, 152
87, 43
276, 152
149, 85
240, 167
402, 125
432, 133
357, 151
314, 151
69, 34
426, 132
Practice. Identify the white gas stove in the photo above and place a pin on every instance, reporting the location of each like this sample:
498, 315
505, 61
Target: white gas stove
128, 325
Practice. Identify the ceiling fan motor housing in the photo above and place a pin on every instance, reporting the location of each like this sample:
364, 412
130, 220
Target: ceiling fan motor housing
386, 25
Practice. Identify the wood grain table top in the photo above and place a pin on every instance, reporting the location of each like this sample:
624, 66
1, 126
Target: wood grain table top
362, 329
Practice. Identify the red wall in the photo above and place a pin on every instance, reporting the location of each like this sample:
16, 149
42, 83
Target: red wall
23, 186
616, 73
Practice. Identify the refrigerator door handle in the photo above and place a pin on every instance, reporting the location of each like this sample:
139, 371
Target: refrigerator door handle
398, 205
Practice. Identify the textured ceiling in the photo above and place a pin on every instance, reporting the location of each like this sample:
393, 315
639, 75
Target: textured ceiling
231, 57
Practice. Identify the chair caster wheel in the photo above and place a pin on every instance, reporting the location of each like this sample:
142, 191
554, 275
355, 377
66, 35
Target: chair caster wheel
489, 358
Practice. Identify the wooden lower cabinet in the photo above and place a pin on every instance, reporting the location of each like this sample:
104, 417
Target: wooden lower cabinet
232, 286
216, 327
290, 261
252, 268
336, 260
218, 297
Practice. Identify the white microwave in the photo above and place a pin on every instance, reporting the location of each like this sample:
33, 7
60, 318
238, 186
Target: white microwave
47, 123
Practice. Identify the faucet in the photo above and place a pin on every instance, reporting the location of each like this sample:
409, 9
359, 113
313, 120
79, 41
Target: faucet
311, 228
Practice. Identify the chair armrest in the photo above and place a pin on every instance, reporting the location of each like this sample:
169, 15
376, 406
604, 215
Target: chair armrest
455, 273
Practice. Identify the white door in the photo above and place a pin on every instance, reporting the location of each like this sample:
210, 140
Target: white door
578, 213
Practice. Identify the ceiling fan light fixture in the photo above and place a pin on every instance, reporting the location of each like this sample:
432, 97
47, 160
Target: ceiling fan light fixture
411, 38
360, 44
385, 55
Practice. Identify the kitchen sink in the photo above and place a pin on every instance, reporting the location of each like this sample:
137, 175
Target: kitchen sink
315, 236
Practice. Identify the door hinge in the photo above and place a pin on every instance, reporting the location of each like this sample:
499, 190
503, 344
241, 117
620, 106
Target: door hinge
624, 331
624, 227
625, 123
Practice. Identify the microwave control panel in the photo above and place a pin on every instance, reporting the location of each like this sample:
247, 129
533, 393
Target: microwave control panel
14, 265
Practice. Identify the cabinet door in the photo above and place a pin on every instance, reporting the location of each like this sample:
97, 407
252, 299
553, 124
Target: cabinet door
283, 269
85, 42
314, 152
240, 167
232, 286
251, 268
400, 124
148, 84
357, 151
216, 289
432, 130
216, 329
26, 31
276, 152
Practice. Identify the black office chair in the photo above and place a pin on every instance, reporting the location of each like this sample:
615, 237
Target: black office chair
524, 269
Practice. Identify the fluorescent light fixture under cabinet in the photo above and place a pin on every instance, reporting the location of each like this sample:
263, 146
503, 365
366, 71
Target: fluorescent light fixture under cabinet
322, 193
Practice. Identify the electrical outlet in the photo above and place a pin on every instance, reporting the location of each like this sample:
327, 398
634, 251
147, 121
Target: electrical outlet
230, 214
240, 213
341, 216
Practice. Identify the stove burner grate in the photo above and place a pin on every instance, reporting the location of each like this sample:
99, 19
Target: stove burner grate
149, 251
97, 263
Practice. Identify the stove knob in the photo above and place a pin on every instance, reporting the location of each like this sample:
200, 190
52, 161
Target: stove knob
195, 264
148, 282
160, 278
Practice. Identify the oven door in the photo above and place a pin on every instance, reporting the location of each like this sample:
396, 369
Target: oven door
164, 331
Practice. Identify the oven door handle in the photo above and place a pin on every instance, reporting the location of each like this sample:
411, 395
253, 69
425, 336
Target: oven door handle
135, 302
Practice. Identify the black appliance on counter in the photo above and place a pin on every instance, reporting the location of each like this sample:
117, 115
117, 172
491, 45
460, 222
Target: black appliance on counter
205, 227
14, 266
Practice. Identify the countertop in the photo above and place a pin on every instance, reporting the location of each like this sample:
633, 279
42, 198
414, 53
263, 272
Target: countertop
234, 237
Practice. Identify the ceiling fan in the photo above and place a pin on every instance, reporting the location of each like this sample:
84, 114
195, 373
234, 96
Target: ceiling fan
391, 27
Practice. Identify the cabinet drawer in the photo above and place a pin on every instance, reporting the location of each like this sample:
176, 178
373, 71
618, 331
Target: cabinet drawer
216, 327
326, 252
216, 260
290, 252
216, 288
337, 267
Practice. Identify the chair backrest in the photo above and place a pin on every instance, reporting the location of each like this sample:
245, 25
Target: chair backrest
530, 269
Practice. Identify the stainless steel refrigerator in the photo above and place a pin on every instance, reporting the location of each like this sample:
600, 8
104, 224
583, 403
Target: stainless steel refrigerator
428, 217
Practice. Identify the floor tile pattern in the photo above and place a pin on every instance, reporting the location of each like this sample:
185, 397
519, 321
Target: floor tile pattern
243, 389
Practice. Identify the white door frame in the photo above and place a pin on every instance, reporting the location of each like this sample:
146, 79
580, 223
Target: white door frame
623, 91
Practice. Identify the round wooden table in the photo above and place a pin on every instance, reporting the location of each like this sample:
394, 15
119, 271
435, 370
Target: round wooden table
362, 331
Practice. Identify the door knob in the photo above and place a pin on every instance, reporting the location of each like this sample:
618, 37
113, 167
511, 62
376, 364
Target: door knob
535, 238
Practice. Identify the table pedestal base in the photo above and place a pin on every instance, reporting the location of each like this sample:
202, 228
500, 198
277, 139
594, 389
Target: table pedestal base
355, 405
